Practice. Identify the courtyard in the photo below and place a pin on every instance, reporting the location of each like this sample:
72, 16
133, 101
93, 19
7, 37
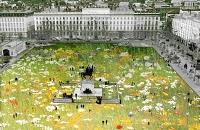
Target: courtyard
153, 96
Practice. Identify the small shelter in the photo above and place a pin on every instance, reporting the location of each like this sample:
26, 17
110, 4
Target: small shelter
13, 48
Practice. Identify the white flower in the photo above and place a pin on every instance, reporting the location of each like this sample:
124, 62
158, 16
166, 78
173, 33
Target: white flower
131, 70
50, 108
174, 98
36, 120
69, 114
121, 81
66, 87
148, 64
3, 125
145, 120
12, 98
2, 85
49, 117
119, 92
196, 99
3, 100
21, 122
106, 56
145, 74
25, 90
146, 57
117, 77
129, 75
46, 72
147, 101
76, 126
121, 89
148, 83
81, 110
51, 62
130, 128
87, 119
124, 54
128, 86
145, 91
172, 102
36, 102
146, 108
50, 84
40, 126
159, 107
43, 116
102, 79
33, 58
39, 97
140, 84
47, 62
173, 84
126, 98
110, 90
2, 114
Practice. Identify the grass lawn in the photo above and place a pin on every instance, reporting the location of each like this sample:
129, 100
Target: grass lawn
153, 96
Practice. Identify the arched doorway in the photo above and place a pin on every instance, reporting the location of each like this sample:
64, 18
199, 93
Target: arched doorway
6, 52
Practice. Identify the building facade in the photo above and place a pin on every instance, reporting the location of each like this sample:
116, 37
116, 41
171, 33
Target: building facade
185, 3
186, 25
15, 24
97, 23
13, 48
90, 23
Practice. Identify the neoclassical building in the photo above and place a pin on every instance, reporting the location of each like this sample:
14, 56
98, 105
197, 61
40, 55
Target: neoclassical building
186, 25
90, 23
185, 3
15, 24
97, 23
13, 48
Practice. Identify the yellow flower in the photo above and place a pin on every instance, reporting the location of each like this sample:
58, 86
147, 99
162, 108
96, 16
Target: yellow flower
164, 93
195, 126
182, 121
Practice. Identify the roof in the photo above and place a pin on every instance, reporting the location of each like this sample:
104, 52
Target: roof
123, 4
123, 7
13, 13
179, 1
95, 11
12, 44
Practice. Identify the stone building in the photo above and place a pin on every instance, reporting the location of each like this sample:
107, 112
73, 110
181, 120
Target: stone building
13, 48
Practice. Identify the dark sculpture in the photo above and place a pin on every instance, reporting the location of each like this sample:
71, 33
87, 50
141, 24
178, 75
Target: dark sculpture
88, 71
87, 91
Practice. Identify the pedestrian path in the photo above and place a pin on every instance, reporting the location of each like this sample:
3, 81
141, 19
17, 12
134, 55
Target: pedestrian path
183, 74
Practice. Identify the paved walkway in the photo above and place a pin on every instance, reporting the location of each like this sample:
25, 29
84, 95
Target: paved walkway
182, 73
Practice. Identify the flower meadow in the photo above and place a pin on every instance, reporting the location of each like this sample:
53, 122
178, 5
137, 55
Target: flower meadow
153, 96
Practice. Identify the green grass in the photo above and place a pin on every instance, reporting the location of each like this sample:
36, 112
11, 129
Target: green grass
32, 94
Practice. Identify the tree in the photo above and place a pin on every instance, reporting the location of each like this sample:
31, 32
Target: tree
20, 36
3, 36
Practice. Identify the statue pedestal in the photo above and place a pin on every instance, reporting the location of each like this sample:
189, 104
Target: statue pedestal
97, 92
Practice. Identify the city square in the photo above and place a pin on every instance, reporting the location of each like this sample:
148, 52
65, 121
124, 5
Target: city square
153, 95
100, 65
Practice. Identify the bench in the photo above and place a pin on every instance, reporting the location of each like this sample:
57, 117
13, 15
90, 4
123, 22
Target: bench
62, 100
111, 101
